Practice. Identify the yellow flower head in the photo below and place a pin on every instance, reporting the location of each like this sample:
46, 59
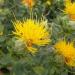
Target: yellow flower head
70, 9
29, 3
67, 50
32, 32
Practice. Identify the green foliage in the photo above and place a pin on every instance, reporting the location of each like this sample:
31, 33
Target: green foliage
13, 54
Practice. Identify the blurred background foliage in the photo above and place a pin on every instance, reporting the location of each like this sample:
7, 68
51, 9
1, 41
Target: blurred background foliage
14, 60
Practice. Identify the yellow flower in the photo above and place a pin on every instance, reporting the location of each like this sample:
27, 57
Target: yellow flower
29, 3
32, 32
70, 9
67, 50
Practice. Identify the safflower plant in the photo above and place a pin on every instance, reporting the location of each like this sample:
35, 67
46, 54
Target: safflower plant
37, 37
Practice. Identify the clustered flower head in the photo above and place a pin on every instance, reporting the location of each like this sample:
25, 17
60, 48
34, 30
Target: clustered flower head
32, 32
29, 3
67, 50
35, 33
70, 9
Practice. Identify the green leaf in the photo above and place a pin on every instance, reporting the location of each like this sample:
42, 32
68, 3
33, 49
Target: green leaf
39, 70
